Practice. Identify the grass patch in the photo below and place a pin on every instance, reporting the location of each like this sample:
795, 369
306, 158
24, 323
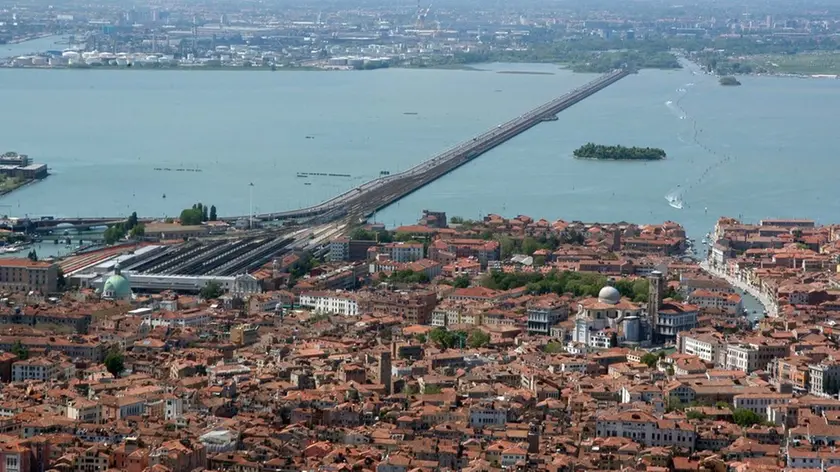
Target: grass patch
7, 184
807, 64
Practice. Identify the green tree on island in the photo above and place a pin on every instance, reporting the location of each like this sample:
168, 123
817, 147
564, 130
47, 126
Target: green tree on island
729, 80
618, 153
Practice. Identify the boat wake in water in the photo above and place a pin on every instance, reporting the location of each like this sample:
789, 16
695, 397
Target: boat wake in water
675, 109
674, 198
693, 134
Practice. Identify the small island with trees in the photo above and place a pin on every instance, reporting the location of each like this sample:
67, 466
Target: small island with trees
618, 153
729, 81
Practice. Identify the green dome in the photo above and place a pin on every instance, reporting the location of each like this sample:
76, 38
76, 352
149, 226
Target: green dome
117, 288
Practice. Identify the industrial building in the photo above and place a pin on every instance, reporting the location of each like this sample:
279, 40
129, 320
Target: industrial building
21, 166
186, 267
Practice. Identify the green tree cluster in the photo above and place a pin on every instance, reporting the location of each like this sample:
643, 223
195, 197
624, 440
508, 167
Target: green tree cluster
674, 404
32, 256
445, 339
577, 283
461, 221
581, 55
462, 281
618, 153
21, 351
301, 268
529, 245
361, 234
745, 418
114, 233
477, 339
553, 347
650, 359
673, 293
729, 80
695, 415
199, 213
408, 276
117, 232
211, 290
115, 362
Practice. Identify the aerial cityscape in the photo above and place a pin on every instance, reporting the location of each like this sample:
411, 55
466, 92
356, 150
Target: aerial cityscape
437, 236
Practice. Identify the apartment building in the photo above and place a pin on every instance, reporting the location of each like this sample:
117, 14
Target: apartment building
24, 275
38, 368
447, 250
753, 356
487, 415
645, 429
824, 378
730, 303
336, 302
545, 312
76, 347
181, 319
758, 403
674, 318
346, 249
398, 251
412, 307
706, 344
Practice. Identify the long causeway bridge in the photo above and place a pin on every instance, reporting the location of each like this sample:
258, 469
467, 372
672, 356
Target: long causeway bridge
378, 193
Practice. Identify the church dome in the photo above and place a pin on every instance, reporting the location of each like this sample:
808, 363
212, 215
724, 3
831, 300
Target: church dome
116, 287
609, 295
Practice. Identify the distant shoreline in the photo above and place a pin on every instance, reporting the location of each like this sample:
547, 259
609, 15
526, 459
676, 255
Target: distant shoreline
461, 67
31, 38
524, 72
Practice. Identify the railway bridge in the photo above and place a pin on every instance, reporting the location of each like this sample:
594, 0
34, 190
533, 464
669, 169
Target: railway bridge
378, 193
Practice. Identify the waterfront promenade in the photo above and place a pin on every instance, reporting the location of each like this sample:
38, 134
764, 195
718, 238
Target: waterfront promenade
769, 306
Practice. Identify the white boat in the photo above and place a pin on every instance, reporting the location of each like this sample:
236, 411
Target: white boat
674, 199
